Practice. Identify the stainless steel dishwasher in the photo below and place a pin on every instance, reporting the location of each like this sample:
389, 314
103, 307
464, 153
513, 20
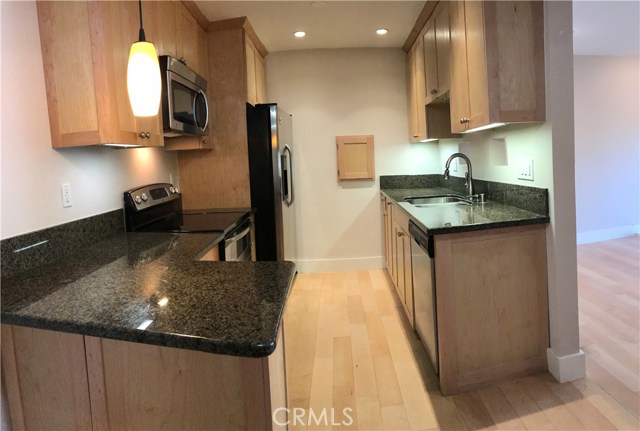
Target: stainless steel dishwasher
424, 292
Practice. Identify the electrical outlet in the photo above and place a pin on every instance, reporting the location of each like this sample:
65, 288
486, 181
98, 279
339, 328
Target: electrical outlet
66, 195
525, 170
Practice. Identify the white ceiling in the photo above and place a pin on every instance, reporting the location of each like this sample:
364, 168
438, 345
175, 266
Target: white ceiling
606, 27
600, 27
329, 24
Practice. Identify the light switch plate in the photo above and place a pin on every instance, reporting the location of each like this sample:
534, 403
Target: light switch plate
525, 170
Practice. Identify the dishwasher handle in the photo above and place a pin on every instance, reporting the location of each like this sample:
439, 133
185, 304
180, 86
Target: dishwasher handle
422, 239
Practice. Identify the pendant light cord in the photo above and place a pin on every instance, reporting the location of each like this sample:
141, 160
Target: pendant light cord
141, 37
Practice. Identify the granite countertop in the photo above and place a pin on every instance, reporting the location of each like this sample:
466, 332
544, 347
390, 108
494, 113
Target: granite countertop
151, 288
443, 219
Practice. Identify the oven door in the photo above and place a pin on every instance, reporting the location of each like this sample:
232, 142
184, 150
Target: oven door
237, 244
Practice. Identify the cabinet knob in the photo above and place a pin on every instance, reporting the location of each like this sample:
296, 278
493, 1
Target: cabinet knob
400, 234
434, 91
415, 136
183, 60
147, 135
462, 121
204, 142
142, 135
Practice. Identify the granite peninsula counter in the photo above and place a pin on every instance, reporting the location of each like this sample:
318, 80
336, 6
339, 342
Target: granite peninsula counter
135, 332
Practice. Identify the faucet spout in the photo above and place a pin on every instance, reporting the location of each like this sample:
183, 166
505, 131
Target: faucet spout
468, 176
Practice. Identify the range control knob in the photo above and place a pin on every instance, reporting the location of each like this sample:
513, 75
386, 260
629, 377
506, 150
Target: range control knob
137, 199
172, 189
144, 197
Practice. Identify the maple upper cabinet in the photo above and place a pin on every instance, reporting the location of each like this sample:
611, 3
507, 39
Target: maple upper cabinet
191, 41
497, 63
220, 178
256, 76
436, 53
416, 92
85, 50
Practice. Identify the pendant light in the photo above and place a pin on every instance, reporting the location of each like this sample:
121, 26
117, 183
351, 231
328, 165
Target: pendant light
143, 76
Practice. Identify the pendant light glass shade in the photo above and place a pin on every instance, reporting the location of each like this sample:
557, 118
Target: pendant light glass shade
143, 80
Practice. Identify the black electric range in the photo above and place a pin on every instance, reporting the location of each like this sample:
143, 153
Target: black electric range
158, 208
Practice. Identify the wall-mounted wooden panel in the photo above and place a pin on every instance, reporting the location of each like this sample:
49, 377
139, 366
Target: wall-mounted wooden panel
355, 157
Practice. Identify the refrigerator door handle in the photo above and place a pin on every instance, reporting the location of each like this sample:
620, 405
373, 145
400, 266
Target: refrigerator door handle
288, 175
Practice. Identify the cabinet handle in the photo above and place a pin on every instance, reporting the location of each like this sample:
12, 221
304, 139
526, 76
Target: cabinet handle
183, 60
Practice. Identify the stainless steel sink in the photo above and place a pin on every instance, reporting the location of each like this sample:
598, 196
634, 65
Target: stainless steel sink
421, 201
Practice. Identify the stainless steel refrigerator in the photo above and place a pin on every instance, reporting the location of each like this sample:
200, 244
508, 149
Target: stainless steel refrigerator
271, 157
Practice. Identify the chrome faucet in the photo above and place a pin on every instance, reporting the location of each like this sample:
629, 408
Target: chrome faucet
468, 176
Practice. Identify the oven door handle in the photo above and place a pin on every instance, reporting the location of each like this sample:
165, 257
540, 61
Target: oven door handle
236, 238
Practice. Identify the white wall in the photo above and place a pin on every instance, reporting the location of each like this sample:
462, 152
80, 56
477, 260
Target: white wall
344, 92
31, 171
496, 155
607, 128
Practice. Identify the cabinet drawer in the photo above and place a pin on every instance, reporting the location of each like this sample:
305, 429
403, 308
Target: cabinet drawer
400, 217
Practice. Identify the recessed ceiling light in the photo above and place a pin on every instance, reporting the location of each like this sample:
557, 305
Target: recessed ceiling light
299, 34
382, 31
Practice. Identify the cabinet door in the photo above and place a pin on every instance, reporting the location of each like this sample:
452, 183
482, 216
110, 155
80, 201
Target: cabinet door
45, 376
411, 96
160, 26
459, 78
420, 90
399, 260
431, 63
191, 42
121, 22
65, 36
442, 36
252, 96
261, 79
476, 65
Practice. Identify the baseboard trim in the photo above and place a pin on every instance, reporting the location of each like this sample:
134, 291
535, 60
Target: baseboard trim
606, 234
339, 265
566, 368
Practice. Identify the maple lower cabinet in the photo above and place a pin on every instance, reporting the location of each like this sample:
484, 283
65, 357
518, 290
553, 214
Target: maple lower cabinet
497, 63
220, 178
397, 247
491, 305
61, 381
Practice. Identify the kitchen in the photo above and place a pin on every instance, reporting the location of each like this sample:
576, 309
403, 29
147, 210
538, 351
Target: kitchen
99, 168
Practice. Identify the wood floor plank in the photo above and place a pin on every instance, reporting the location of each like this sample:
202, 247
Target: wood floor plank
344, 398
560, 415
606, 405
528, 411
474, 412
580, 406
503, 415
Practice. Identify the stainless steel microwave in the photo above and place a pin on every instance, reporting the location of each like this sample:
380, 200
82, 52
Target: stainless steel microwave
185, 109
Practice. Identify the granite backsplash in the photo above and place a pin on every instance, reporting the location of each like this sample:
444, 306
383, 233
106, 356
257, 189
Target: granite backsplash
24, 252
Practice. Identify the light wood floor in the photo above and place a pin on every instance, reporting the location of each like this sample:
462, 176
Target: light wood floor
348, 345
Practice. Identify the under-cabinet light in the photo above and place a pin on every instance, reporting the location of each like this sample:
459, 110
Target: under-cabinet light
488, 126
122, 146
144, 84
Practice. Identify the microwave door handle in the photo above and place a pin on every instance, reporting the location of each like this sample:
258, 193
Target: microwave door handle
289, 179
206, 106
